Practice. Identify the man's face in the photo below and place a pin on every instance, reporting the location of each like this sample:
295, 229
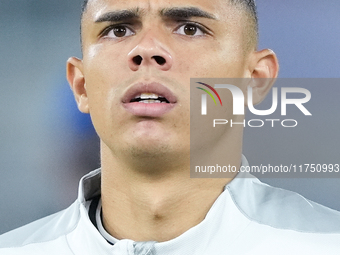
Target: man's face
151, 48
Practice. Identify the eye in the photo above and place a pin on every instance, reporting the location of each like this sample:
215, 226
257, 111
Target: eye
117, 31
190, 30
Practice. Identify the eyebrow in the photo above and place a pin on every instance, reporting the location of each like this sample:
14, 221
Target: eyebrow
119, 15
186, 12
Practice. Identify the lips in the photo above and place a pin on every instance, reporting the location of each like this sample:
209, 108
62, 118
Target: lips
149, 100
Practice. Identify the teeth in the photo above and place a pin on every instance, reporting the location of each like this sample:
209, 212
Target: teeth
149, 98
148, 95
150, 101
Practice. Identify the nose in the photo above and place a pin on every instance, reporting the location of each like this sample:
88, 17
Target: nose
149, 53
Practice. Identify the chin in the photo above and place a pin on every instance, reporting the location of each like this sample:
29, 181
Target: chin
149, 149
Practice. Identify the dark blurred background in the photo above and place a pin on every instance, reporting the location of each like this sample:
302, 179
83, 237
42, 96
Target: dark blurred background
47, 145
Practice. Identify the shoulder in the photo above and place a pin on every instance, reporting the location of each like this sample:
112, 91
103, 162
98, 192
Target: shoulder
52, 228
281, 209
278, 221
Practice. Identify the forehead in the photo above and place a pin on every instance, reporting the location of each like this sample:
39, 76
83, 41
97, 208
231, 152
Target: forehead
219, 8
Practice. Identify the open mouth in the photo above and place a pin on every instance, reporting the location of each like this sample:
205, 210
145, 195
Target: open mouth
149, 100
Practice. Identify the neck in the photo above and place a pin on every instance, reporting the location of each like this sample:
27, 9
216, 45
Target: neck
141, 206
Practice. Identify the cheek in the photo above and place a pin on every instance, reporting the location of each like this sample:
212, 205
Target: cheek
103, 72
102, 85
105, 59
215, 60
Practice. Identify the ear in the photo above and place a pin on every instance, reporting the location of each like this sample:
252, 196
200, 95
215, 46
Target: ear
264, 71
75, 77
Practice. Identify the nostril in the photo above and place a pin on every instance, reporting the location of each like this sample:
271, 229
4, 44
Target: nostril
137, 60
160, 60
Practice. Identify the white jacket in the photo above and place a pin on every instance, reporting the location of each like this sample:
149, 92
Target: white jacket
249, 217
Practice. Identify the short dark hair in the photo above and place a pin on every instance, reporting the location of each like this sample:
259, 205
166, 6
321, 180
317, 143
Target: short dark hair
248, 6
83, 8
252, 28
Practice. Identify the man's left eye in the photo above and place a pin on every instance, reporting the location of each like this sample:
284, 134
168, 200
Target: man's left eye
190, 30
118, 31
